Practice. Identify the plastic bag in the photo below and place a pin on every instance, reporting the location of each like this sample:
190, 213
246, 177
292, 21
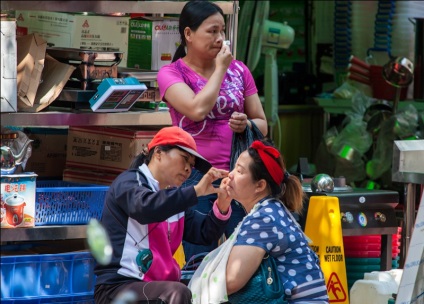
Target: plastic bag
325, 161
345, 91
242, 141
360, 103
399, 126
349, 148
353, 136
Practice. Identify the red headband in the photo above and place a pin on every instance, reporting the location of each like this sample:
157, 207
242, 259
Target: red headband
269, 155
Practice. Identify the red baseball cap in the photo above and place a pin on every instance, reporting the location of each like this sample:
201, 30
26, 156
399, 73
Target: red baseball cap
178, 137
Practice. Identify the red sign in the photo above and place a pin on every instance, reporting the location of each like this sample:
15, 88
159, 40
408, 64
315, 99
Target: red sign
336, 292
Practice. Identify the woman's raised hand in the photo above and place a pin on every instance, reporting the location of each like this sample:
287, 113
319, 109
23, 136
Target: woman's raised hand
238, 122
224, 199
224, 57
205, 186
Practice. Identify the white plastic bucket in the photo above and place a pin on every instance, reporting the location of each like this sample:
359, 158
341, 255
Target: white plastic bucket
377, 287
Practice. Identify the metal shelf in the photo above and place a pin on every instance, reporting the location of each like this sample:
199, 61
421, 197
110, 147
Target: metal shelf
108, 7
340, 106
58, 117
43, 233
88, 118
230, 9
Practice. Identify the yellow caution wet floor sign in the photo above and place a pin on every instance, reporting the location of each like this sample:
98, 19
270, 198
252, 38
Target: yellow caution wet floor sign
324, 228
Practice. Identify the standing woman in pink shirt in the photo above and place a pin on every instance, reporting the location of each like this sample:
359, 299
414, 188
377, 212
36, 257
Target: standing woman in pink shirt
210, 95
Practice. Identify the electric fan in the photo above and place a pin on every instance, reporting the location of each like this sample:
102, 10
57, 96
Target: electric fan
258, 35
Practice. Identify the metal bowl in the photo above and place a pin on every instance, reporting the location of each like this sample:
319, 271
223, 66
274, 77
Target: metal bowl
322, 183
399, 72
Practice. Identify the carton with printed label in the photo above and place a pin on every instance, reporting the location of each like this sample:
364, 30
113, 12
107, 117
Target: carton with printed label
18, 200
105, 149
152, 42
73, 30
8, 70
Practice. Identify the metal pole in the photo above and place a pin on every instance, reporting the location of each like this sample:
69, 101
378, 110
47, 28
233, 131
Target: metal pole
408, 216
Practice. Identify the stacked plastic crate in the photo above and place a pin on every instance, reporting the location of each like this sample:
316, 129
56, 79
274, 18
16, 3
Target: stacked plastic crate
383, 26
68, 203
61, 277
47, 278
380, 53
363, 254
342, 38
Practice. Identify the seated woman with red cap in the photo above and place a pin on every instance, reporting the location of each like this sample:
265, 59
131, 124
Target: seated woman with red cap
269, 194
146, 214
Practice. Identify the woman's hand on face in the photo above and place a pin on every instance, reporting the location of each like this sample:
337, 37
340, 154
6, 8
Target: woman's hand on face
224, 57
238, 122
205, 186
224, 199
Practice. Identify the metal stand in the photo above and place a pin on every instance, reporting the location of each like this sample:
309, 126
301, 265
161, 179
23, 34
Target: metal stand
408, 215
408, 168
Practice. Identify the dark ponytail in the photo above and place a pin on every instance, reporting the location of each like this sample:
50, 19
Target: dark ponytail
292, 194
143, 158
180, 52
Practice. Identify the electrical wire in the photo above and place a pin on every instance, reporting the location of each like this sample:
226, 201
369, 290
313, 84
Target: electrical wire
271, 131
278, 123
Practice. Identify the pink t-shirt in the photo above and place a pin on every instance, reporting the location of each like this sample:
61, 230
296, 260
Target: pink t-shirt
213, 136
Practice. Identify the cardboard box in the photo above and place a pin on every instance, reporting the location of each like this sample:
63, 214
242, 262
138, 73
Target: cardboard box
18, 200
54, 77
104, 149
150, 100
8, 66
151, 94
48, 156
31, 53
81, 31
88, 176
152, 42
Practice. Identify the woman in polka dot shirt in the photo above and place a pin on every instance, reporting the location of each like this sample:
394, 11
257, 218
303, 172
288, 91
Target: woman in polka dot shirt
259, 175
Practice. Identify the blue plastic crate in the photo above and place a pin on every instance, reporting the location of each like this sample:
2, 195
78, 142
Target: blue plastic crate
67, 203
56, 300
69, 300
6, 269
24, 279
83, 278
48, 278
54, 276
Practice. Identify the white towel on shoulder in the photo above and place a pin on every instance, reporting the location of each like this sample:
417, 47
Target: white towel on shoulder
208, 284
